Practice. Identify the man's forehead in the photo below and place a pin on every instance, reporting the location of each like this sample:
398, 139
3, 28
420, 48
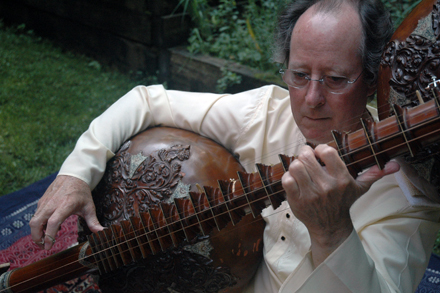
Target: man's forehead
343, 13
324, 31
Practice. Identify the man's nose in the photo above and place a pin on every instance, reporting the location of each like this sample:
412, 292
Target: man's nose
315, 94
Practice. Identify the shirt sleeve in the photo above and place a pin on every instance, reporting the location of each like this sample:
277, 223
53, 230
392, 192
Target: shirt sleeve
220, 117
387, 252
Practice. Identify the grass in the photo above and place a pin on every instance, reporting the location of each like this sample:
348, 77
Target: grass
48, 98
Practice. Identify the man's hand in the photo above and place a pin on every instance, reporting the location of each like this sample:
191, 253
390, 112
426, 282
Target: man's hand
321, 196
65, 196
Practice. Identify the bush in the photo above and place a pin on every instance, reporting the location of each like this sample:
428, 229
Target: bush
243, 31
238, 33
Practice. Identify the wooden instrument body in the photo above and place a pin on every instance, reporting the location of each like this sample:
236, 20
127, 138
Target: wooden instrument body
410, 60
410, 63
168, 163
223, 260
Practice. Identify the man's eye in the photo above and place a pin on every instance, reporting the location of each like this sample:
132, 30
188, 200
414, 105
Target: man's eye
335, 79
299, 74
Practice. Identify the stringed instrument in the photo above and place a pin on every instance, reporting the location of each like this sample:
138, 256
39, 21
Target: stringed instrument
173, 227
186, 236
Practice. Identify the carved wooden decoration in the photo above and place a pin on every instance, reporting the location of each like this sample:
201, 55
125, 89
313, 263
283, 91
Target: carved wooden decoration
414, 62
410, 62
133, 184
213, 238
141, 182
153, 171
177, 271
411, 59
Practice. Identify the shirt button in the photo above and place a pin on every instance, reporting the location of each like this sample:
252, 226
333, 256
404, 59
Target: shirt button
283, 238
287, 215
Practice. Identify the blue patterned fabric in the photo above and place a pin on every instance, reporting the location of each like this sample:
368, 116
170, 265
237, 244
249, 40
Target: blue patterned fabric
431, 280
16, 210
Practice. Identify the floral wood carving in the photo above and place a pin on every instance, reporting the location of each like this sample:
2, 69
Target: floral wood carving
414, 62
128, 188
176, 271
133, 184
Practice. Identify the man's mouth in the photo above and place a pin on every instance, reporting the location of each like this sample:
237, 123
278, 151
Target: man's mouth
316, 118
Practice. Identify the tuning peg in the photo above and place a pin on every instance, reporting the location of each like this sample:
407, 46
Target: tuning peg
419, 97
434, 83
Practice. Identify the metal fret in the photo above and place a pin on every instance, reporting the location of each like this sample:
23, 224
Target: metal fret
136, 236
116, 230
245, 194
210, 208
402, 130
197, 216
168, 226
106, 250
264, 185
181, 221
226, 203
153, 251
127, 241
370, 144
155, 231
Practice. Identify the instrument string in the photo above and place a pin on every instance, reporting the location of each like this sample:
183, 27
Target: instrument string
245, 194
352, 123
48, 270
257, 188
198, 223
111, 246
61, 268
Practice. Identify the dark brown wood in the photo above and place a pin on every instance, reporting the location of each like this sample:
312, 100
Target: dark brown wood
171, 227
48, 272
211, 238
411, 59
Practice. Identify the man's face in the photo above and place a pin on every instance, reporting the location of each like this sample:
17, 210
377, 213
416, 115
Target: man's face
327, 44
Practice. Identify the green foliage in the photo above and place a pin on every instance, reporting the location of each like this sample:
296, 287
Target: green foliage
399, 9
48, 98
228, 78
244, 33
239, 33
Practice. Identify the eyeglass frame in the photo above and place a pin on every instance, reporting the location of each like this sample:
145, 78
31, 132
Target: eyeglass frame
307, 77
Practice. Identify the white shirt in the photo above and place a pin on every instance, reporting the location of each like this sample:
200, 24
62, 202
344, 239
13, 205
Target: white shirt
395, 230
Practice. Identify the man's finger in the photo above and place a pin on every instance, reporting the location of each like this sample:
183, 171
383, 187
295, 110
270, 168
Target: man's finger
93, 223
330, 157
52, 227
49, 241
38, 225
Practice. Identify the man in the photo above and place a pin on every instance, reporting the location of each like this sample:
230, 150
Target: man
334, 233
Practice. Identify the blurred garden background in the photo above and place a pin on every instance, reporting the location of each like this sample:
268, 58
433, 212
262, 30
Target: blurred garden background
50, 94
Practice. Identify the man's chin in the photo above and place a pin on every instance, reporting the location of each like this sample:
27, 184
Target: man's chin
318, 137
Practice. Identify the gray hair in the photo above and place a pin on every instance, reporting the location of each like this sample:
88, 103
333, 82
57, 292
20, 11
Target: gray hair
376, 24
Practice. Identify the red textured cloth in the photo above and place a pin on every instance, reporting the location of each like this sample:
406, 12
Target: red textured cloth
24, 252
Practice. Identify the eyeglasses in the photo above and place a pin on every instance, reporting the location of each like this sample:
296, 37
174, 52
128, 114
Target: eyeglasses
333, 84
